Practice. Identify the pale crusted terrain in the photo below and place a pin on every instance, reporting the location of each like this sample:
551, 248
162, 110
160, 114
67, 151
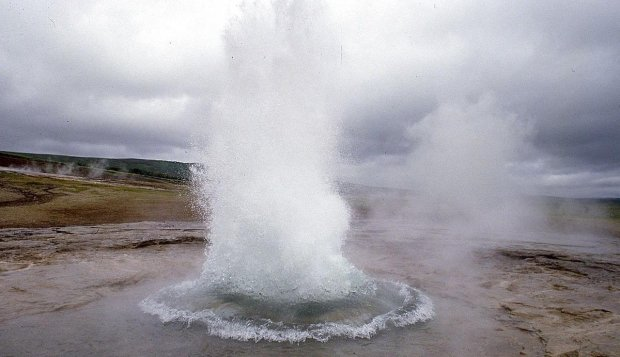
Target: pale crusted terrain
53, 269
560, 289
23, 247
548, 293
492, 299
570, 301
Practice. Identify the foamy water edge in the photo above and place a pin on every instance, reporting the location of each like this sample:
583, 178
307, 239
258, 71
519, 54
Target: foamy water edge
273, 331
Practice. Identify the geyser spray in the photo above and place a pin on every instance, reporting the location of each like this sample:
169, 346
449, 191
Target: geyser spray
274, 269
277, 223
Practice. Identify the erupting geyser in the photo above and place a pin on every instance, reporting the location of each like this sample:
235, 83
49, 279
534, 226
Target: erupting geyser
274, 269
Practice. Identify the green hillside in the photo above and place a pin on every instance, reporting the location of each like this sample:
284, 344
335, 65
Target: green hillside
85, 166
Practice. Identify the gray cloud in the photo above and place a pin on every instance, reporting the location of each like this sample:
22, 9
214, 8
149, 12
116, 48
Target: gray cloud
138, 79
105, 79
552, 64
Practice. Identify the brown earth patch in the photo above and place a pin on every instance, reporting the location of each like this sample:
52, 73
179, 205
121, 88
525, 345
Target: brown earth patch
39, 200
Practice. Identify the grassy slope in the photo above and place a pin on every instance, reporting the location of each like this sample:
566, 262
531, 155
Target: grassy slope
588, 214
46, 201
153, 168
163, 195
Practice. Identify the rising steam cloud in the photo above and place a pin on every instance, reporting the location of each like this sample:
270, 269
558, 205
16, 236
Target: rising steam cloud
460, 171
460, 167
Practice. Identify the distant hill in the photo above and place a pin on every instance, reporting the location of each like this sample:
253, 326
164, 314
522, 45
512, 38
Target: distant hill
96, 167
584, 207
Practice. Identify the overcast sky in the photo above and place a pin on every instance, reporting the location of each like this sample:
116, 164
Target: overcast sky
136, 78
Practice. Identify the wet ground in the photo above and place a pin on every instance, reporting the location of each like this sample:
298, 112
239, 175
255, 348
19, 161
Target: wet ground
75, 291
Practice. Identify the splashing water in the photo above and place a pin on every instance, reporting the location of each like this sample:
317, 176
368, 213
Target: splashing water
275, 269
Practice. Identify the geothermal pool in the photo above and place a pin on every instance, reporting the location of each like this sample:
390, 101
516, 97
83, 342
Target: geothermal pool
244, 317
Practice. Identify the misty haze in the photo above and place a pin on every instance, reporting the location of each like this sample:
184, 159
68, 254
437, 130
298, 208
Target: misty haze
296, 177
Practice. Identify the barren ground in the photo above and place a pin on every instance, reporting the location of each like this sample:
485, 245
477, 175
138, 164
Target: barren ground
73, 267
